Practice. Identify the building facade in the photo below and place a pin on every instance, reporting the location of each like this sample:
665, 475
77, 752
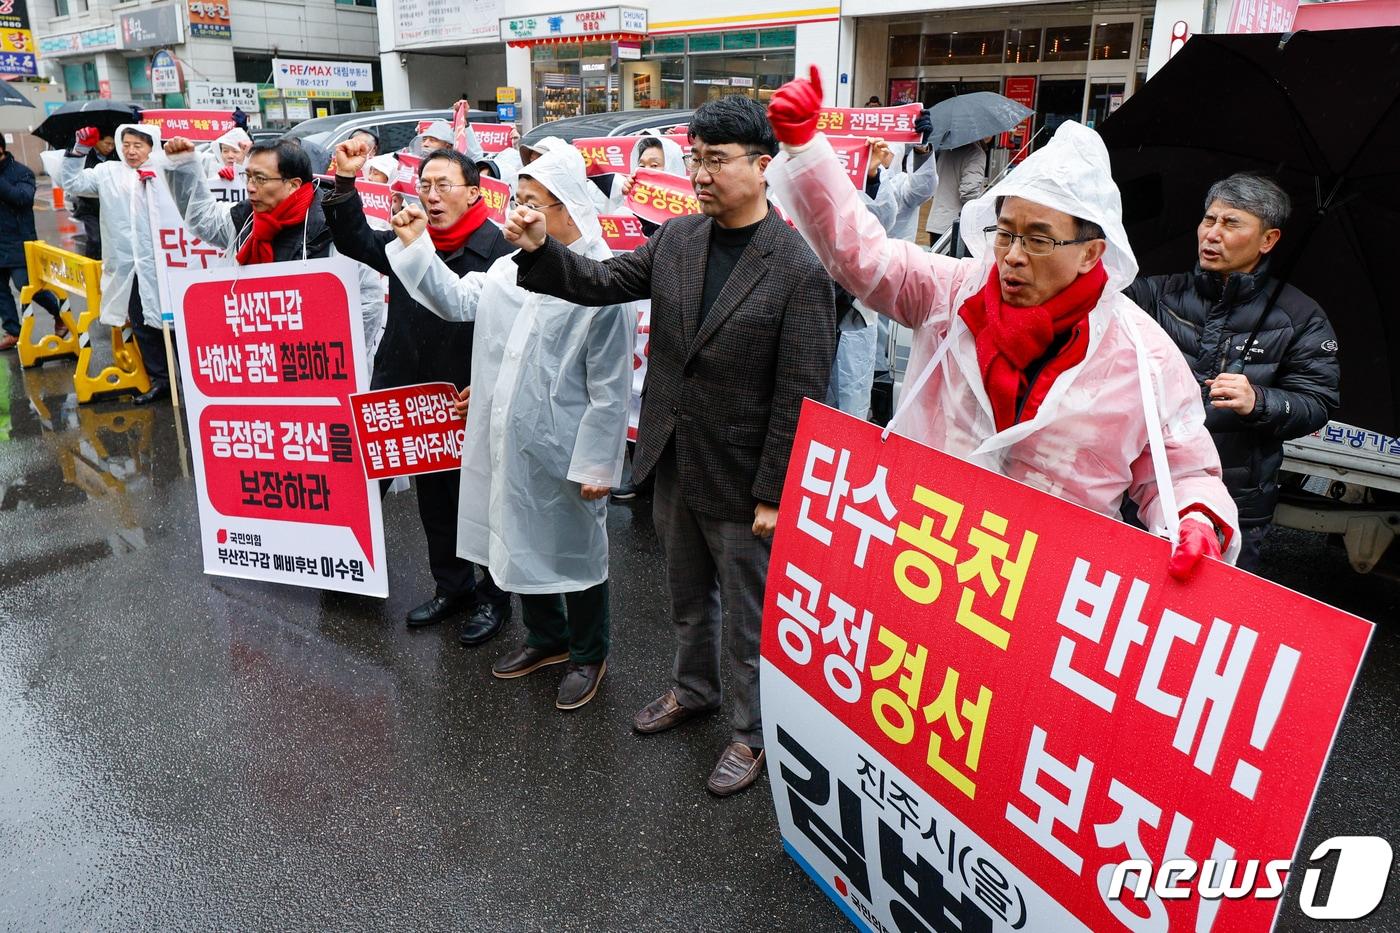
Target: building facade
222, 52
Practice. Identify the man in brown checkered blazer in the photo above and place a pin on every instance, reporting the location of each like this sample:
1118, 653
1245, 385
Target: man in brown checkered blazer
743, 327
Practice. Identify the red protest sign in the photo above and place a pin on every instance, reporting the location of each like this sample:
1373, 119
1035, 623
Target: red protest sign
496, 194
493, 137
269, 355
978, 699
607, 154
406, 181
198, 125
408, 430
285, 336
658, 197
892, 124
622, 232
377, 198
853, 152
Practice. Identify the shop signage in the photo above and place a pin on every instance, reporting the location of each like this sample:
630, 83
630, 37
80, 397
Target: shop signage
428, 23
506, 113
210, 95
1262, 16
151, 28
267, 92
209, 19
165, 73
17, 46
600, 22
299, 74
99, 39
507, 95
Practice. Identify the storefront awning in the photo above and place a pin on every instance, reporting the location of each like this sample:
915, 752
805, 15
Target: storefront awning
601, 24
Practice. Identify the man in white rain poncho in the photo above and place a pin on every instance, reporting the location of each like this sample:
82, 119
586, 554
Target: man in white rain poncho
1026, 360
545, 428
129, 285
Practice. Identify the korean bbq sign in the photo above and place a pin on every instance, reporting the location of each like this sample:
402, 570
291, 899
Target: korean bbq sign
269, 357
978, 699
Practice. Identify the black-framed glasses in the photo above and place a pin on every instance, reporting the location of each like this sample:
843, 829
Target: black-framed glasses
714, 164
1035, 244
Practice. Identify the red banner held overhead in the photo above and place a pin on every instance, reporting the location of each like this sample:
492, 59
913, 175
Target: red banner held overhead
200, 126
408, 430
659, 197
496, 194
892, 124
607, 155
979, 699
406, 181
493, 137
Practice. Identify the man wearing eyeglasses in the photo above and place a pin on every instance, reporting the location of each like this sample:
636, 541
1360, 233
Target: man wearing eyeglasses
281, 220
418, 346
743, 327
1026, 359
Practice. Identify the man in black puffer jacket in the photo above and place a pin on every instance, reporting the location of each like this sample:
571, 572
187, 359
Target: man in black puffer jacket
1286, 384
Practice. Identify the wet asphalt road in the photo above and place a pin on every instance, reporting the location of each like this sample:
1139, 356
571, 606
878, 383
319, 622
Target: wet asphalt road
188, 752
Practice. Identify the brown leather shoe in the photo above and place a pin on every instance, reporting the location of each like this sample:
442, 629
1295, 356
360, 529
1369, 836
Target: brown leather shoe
8, 342
60, 329
665, 712
580, 684
526, 660
737, 768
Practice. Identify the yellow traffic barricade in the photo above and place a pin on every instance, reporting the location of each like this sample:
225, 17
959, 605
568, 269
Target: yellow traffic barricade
73, 275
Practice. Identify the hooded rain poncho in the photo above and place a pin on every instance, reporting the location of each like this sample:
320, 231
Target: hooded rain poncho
1092, 440
128, 249
548, 413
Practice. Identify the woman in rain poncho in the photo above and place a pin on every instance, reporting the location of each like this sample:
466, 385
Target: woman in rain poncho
129, 284
651, 152
545, 428
225, 156
1074, 392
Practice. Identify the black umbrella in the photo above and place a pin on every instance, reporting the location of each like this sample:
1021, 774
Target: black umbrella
59, 128
9, 97
1320, 113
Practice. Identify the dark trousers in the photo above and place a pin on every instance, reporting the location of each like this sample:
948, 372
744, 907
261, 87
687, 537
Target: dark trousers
9, 311
1251, 539
437, 510
92, 236
150, 340
716, 571
578, 621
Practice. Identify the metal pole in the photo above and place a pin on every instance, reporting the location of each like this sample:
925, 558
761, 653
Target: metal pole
1208, 18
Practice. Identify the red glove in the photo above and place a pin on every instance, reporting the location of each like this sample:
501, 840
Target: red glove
227, 173
794, 108
1197, 539
88, 136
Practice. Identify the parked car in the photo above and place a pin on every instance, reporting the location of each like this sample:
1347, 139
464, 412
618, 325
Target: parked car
395, 128
620, 123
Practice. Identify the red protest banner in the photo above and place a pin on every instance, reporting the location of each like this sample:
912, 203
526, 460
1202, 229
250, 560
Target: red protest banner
406, 181
200, 126
496, 194
892, 124
493, 137
376, 197
978, 699
658, 197
854, 154
607, 154
408, 430
622, 232
270, 355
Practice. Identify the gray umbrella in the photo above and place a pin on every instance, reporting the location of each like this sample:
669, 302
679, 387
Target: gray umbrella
967, 118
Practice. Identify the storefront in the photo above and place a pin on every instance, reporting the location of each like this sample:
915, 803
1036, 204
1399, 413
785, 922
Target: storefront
1065, 61
579, 59
686, 70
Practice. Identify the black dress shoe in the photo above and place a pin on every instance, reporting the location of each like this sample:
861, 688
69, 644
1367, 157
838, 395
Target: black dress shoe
158, 392
435, 610
485, 623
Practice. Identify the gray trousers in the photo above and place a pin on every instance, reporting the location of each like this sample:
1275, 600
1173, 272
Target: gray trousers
716, 571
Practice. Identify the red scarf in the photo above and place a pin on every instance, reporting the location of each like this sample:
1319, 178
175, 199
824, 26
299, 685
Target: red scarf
1010, 339
450, 239
267, 224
